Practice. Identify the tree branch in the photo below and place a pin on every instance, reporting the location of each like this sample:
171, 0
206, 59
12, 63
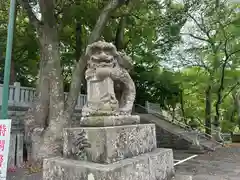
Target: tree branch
201, 27
197, 23
119, 38
196, 37
47, 8
198, 63
231, 89
227, 54
33, 19
102, 20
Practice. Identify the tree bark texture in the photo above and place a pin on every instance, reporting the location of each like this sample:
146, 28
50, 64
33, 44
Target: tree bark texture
43, 118
119, 39
219, 94
208, 109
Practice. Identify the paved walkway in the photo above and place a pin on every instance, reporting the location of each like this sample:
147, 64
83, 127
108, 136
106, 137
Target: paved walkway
21, 176
223, 164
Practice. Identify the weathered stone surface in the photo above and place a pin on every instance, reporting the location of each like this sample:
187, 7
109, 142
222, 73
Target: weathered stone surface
100, 121
111, 144
182, 177
36, 143
12, 150
161, 165
136, 168
101, 98
19, 150
106, 67
168, 135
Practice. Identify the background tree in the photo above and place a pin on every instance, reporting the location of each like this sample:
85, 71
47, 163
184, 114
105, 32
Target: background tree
213, 47
25, 50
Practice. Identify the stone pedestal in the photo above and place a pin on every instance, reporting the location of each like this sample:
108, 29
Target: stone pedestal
156, 165
99, 121
126, 152
111, 144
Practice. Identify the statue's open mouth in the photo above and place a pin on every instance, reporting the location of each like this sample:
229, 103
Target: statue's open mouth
102, 59
105, 60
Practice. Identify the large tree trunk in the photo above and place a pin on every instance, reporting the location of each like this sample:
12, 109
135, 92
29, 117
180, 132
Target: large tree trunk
51, 137
119, 39
219, 94
78, 50
53, 133
48, 116
208, 109
43, 120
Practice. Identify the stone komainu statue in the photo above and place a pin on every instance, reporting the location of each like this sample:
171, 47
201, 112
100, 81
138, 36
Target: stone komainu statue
111, 90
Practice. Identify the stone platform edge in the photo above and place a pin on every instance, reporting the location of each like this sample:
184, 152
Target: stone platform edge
102, 121
156, 165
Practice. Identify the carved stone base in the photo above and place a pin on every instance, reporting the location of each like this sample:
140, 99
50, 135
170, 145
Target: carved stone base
182, 177
101, 121
157, 165
111, 144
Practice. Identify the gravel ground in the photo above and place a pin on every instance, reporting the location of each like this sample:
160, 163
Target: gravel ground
223, 164
19, 175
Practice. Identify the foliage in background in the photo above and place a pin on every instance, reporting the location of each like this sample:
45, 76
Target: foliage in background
151, 30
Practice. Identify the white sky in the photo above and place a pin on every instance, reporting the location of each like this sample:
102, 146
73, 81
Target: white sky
176, 56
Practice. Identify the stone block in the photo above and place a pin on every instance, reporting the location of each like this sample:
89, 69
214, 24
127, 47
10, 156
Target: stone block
161, 165
143, 167
102, 121
111, 144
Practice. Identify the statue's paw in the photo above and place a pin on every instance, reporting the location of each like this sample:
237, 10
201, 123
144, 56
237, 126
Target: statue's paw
102, 73
38, 131
86, 112
124, 111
